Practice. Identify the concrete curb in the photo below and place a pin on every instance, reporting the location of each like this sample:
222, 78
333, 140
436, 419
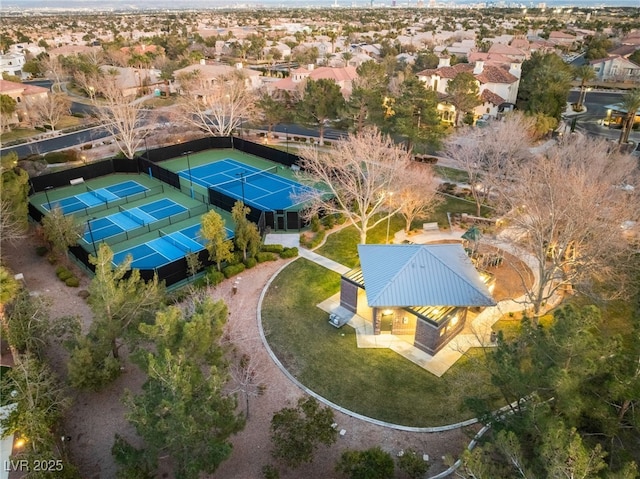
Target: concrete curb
320, 398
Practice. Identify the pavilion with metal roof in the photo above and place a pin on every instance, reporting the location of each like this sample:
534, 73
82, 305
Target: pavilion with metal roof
421, 292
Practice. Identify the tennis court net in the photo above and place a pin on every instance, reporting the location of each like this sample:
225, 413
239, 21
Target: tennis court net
171, 240
247, 178
131, 216
97, 194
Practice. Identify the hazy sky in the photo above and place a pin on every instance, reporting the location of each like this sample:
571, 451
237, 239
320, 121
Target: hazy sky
147, 4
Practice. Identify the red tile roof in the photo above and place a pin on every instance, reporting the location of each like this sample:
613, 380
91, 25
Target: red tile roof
493, 98
493, 74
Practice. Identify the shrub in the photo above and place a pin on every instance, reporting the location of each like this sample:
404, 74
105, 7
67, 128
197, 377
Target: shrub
250, 262
272, 248
72, 282
65, 156
289, 253
236, 258
265, 256
65, 275
84, 294
329, 221
42, 250
315, 224
52, 259
233, 269
60, 269
87, 146
413, 464
214, 277
327, 143
270, 472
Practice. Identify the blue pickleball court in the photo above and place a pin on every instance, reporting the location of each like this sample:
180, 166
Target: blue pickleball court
262, 189
166, 248
96, 197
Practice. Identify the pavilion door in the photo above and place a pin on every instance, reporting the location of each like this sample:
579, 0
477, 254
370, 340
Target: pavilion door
386, 321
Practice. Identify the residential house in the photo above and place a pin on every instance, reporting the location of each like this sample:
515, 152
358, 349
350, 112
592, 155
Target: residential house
343, 77
561, 39
210, 72
497, 84
283, 48
12, 63
616, 68
459, 49
24, 95
514, 53
67, 50
420, 293
633, 38
135, 81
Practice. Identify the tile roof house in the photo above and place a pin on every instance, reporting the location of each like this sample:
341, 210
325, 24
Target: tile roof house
498, 84
24, 95
561, 38
134, 81
210, 72
420, 292
616, 68
342, 76
514, 53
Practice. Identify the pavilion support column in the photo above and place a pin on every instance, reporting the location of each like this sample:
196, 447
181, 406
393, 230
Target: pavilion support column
376, 321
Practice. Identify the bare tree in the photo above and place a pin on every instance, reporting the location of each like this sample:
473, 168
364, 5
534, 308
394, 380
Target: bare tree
12, 228
566, 208
120, 115
247, 374
217, 107
359, 174
49, 111
486, 154
416, 193
53, 69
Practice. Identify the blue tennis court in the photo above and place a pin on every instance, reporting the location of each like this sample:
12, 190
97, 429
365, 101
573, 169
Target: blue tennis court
262, 189
165, 249
94, 197
130, 219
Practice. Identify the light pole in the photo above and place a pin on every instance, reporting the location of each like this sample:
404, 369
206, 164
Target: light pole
93, 243
241, 175
46, 193
189, 167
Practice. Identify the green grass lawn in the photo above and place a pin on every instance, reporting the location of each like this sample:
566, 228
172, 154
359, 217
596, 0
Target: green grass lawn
375, 382
452, 175
18, 134
342, 245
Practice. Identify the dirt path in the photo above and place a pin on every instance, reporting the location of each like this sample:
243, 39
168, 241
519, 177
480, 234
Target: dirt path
95, 417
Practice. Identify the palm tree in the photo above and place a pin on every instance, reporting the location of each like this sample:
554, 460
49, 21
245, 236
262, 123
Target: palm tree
586, 74
631, 103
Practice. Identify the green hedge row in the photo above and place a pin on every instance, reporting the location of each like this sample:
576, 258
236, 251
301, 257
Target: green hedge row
67, 277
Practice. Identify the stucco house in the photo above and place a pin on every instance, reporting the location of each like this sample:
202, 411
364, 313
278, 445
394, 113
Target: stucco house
343, 77
12, 63
497, 84
209, 73
616, 68
24, 95
419, 292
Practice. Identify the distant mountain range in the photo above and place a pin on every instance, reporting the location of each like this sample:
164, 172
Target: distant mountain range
208, 4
